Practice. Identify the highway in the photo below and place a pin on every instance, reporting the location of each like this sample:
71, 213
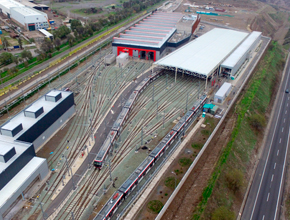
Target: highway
265, 195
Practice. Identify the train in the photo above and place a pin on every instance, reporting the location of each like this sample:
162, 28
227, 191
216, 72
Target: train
127, 187
121, 119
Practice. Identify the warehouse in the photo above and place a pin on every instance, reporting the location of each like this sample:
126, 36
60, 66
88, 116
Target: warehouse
148, 38
22, 136
235, 61
203, 56
30, 18
222, 93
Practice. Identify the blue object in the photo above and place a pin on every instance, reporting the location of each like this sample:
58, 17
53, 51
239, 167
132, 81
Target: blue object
51, 153
0, 32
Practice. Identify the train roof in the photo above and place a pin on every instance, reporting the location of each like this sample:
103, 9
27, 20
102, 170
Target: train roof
106, 145
120, 119
109, 205
132, 178
179, 124
145, 163
141, 84
157, 149
131, 99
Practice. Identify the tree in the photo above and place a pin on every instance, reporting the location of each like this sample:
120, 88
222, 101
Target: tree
61, 32
258, 121
20, 43
57, 43
6, 58
26, 54
74, 24
46, 45
70, 40
16, 60
223, 213
235, 180
5, 43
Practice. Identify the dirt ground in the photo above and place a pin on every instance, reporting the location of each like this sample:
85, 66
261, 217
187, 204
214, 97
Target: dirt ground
192, 188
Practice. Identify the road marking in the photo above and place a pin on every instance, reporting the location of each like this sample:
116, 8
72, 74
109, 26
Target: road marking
274, 166
280, 141
284, 120
287, 104
272, 177
282, 178
263, 217
282, 129
277, 152
286, 112
112, 111
262, 177
268, 197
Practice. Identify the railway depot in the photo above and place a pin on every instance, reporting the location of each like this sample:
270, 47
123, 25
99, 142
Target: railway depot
129, 118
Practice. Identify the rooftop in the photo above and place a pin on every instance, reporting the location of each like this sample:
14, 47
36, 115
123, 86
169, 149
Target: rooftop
28, 122
204, 54
234, 58
10, 4
153, 31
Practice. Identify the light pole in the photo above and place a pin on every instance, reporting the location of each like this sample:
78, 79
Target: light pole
174, 178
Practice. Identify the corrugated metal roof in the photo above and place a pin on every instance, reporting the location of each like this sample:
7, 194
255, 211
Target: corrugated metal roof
152, 26
223, 90
206, 53
234, 58
45, 32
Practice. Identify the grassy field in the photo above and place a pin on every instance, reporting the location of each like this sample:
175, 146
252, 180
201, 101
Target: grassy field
236, 155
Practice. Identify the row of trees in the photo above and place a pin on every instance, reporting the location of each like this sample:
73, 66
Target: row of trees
7, 58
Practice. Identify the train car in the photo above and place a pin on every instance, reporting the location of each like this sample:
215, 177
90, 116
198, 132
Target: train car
131, 100
110, 207
180, 125
117, 126
98, 162
145, 166
129, 185
142, 85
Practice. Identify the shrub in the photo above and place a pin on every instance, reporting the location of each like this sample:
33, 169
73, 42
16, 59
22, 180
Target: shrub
184, 161
257, 122
155, 206
197, 146
170, 182
234, 180
223, 213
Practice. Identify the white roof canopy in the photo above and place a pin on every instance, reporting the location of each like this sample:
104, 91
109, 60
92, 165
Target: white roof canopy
206, 53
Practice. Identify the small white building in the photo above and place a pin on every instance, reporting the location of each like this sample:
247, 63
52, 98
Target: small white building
28, 17
222, 93
122, 60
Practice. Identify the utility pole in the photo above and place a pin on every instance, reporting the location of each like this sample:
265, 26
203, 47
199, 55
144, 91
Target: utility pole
110, 170
72, 177
157, 110
153, 92
186, 100
141, 136
166, 81
163, 119
43, 213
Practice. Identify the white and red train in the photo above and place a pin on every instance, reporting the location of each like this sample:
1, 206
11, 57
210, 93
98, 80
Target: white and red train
114, 202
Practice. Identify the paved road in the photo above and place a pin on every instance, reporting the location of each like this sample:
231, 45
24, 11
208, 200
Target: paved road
265, 195
101, 135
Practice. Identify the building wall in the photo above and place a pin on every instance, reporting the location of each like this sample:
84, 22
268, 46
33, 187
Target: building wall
40, 172
47, 134
35, 131
245, 56
39, 20
16, 166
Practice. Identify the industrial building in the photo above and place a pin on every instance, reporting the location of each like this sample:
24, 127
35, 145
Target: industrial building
235, 61
222, 93
149, 38
203, 56
30, 18
22, 136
